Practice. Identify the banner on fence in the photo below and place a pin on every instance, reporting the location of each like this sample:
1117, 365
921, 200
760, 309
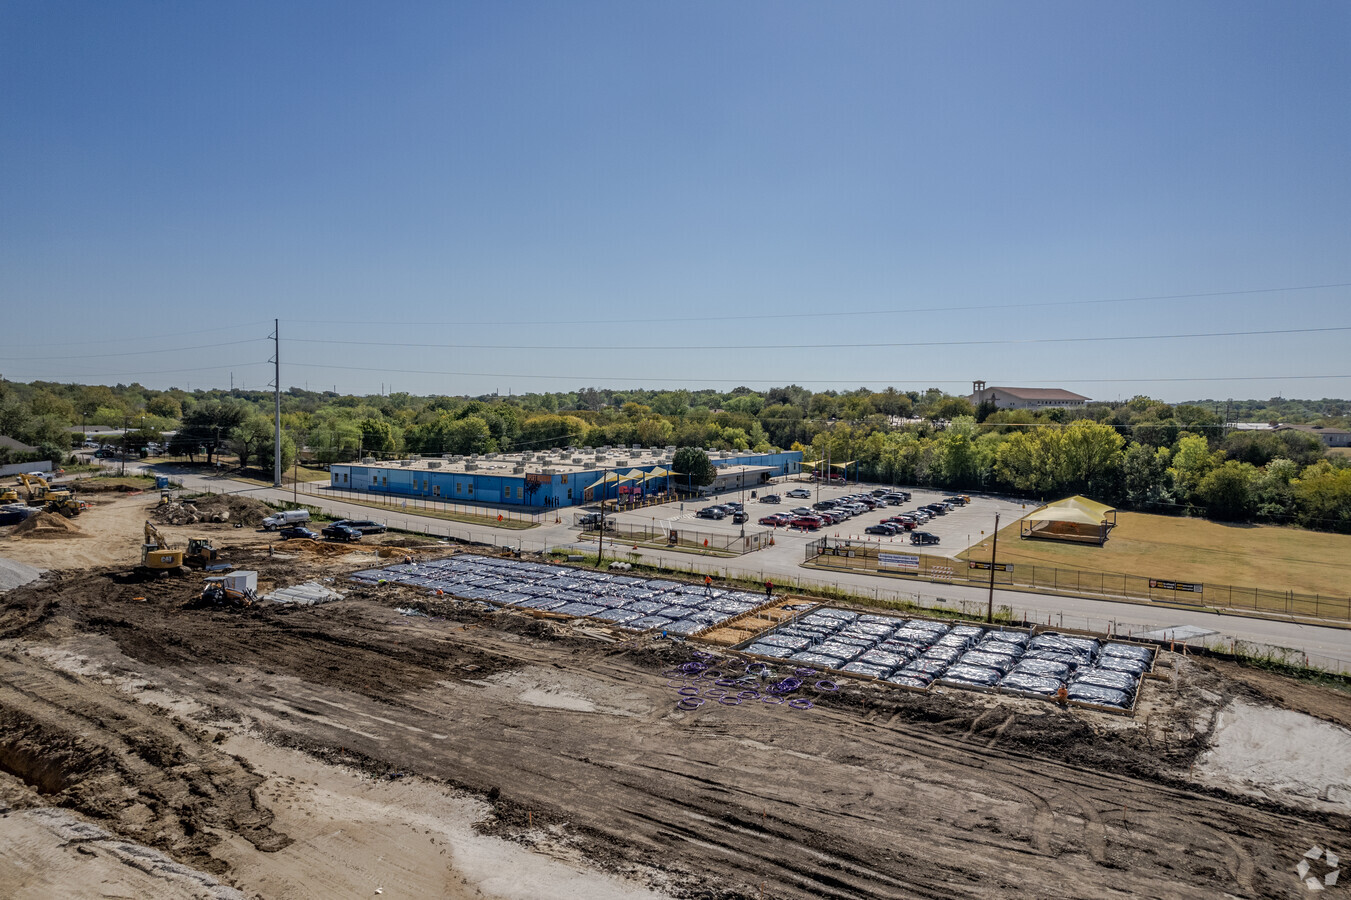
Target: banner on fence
998, 567
897, 561
1174, 585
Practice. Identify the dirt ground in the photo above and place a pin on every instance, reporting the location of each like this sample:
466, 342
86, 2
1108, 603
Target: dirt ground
349, 748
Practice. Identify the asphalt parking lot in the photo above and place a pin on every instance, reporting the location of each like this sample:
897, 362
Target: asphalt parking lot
957, 530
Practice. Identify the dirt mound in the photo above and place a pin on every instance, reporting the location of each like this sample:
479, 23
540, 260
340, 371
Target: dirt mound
45, 525
322, 548
213, 508
92, 486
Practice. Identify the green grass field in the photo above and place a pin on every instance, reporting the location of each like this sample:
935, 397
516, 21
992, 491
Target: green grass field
1196, 550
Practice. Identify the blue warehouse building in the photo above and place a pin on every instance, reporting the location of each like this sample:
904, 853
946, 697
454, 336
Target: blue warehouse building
555, 477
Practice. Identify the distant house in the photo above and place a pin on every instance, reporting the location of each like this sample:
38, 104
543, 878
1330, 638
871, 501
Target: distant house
1331, 437
1025, 398
16, 446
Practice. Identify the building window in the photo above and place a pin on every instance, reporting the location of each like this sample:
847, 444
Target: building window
375, 479
471, 490
459, 487
436, 491
344, 477
569, 493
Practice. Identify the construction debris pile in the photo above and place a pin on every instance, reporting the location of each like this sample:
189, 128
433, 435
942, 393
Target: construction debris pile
631, 603
213, 508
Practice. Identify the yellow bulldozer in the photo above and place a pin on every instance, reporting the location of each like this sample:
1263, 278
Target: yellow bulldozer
159, 555
57, 500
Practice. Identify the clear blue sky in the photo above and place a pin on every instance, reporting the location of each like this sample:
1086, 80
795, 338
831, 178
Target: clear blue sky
678, 194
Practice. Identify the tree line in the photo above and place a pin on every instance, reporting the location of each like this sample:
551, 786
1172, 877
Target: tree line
1139, 454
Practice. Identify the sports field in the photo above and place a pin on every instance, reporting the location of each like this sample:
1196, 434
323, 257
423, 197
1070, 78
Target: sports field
1196, 550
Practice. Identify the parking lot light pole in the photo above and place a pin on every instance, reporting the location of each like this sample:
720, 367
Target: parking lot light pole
994, 548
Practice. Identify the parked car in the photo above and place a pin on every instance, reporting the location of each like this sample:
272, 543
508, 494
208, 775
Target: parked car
298, 531
711, 512
809, 522
884, 528
364, 526
923, 537
770, 498
937, 509
341, 532
802, 511
594, 520
801, 493
739, 518
823, 504
773, 520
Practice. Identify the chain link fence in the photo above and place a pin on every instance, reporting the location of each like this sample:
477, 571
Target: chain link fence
901, 559
414, 505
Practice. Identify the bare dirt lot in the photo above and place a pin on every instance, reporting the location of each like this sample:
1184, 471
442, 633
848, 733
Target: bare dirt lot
345, 748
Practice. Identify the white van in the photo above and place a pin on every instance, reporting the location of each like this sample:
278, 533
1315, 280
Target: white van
282, 519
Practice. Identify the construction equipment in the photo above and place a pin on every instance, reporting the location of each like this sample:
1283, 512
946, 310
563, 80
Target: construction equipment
9, 495
200, 552
234, 589
57, 500
158, 556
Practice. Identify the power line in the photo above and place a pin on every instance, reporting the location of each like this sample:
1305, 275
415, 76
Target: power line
839, 314
141, 352
789, 380
123, 340
853, 345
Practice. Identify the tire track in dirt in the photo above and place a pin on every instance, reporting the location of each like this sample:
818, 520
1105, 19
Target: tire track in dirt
136, 771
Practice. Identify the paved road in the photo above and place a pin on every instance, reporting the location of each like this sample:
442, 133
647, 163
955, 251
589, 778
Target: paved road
783, 564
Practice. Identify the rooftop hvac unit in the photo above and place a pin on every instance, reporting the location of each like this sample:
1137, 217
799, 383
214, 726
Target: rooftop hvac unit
368, 460
405, 463
669, 448
471, 467
549, 471
637, 447
433, 464
577, 460
517, 470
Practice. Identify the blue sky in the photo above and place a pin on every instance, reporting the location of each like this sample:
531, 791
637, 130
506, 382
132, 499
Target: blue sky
461, 198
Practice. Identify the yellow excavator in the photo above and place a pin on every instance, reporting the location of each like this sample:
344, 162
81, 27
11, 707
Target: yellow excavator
57, 500
158, 555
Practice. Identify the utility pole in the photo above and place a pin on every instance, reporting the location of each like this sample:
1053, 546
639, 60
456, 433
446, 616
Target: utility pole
989, 609
276, 386
600, 541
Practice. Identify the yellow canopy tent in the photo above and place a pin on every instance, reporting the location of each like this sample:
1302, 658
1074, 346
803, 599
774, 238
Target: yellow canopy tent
601, 484
1077, 519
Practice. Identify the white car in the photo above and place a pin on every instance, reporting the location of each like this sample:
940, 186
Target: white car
800, 493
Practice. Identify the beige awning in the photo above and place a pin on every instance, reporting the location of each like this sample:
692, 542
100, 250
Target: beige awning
1080, 510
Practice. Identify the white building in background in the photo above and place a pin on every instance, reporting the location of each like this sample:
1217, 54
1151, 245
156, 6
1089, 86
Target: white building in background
1025, 398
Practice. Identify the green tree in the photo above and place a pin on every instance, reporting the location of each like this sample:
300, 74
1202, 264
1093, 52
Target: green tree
1144, 475
165, 406
248, 439
1323, 493
692, 467
1192, 461
1227, 491
208, 425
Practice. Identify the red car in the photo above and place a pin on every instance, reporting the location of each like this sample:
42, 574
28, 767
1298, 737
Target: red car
904, 522
811, 523
775, 520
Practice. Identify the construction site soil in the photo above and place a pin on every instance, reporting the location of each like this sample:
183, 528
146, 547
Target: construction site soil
168, 726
